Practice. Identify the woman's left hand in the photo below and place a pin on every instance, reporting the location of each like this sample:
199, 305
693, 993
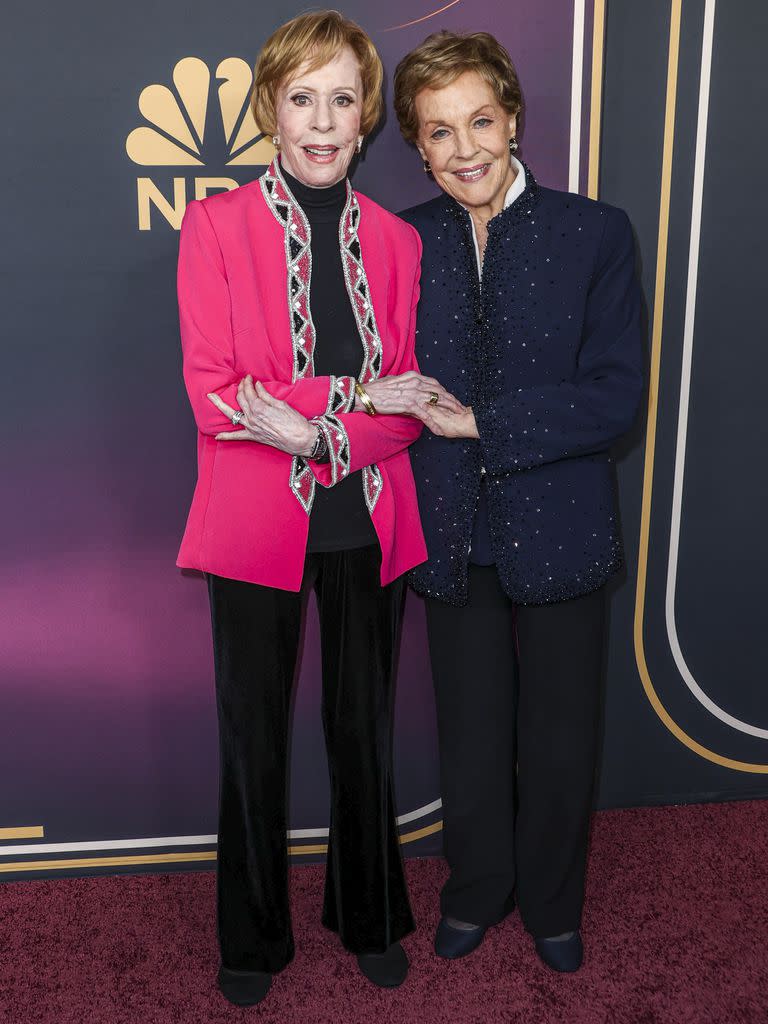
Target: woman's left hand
407, 394
267, 420
449, 424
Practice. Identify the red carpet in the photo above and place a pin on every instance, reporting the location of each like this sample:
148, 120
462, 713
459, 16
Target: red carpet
676, 930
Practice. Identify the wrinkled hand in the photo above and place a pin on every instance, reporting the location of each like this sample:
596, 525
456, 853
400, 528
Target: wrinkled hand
450, 424
408, 394
267, 420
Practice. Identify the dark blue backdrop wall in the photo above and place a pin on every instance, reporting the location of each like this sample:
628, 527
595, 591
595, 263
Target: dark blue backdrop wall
108, 740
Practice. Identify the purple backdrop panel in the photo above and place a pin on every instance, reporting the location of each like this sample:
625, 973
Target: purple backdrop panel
109, 731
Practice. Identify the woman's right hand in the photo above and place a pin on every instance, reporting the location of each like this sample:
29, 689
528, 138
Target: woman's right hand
408, 394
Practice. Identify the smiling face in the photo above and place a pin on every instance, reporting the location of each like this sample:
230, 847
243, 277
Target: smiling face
318, 120
464, 133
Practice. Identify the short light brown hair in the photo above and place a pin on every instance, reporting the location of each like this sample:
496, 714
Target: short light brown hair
440, 60
318, 36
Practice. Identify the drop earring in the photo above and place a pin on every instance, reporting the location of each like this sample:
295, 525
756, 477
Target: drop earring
513, 145
427, 168
275, 141
359, 145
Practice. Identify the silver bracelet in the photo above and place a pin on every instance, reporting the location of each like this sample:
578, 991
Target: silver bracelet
320, 447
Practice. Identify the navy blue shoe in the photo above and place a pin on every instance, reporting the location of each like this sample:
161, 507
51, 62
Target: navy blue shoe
565, 955
453, 943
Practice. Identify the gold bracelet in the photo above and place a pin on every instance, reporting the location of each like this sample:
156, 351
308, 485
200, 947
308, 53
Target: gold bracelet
365, 398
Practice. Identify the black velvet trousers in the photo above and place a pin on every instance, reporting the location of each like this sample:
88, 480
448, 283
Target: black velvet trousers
256, 635
519, 695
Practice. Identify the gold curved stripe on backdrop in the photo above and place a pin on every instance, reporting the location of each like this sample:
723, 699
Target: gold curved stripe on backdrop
653, 397
426, 17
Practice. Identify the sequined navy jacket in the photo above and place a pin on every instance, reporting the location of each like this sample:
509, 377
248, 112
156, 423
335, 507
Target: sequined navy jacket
548, 352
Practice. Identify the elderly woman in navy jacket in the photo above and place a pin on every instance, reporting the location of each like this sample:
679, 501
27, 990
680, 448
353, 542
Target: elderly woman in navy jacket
530, 318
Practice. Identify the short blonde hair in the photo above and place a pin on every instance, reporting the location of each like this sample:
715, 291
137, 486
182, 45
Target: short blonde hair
440, 60
319, 36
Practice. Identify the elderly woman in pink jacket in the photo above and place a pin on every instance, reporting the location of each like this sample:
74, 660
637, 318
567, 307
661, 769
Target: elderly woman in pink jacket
296, 296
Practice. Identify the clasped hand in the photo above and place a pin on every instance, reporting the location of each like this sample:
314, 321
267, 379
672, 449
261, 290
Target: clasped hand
267, 420
271, 421
412, 394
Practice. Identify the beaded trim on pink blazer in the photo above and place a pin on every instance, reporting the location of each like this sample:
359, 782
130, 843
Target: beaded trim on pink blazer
298, 257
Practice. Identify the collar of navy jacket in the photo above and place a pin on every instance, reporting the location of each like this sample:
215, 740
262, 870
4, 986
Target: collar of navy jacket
515, 189
547, 349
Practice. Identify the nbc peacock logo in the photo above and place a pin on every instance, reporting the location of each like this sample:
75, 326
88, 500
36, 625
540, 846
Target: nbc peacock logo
204, 121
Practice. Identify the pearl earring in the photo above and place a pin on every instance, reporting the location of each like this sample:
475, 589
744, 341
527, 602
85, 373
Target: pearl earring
275, 141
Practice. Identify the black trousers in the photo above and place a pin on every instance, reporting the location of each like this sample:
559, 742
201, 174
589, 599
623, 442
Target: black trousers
518, 751
256, 632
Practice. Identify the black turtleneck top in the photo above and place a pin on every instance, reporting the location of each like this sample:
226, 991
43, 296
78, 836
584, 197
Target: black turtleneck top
340, 519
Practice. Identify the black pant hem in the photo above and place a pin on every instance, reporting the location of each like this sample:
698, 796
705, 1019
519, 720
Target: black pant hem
547, 928
265, 967
464, 911
396, 933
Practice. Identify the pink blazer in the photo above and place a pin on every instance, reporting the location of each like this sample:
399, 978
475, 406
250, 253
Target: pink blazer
244, 287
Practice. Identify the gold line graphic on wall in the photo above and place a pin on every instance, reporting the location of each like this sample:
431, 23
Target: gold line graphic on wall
653, 400
596, 97
23, 832
426, 17
176, 858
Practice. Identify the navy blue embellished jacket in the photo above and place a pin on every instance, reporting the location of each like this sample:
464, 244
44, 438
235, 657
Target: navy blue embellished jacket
548, 352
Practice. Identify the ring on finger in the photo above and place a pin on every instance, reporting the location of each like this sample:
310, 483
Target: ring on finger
433, 399
237, 416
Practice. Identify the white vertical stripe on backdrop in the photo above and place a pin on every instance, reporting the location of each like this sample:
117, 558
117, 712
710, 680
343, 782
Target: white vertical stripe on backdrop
685, 384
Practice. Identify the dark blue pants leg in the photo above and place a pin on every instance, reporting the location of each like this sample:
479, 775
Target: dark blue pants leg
472, 651
558, 722
517, 761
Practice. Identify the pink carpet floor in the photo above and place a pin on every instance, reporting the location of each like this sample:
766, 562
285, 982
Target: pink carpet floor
675, 930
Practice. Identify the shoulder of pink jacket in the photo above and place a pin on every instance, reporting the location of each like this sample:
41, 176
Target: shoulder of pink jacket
232, 204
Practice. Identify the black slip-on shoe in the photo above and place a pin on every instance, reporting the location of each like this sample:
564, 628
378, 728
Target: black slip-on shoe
243, 988
452, 943
387, 970
563, 955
